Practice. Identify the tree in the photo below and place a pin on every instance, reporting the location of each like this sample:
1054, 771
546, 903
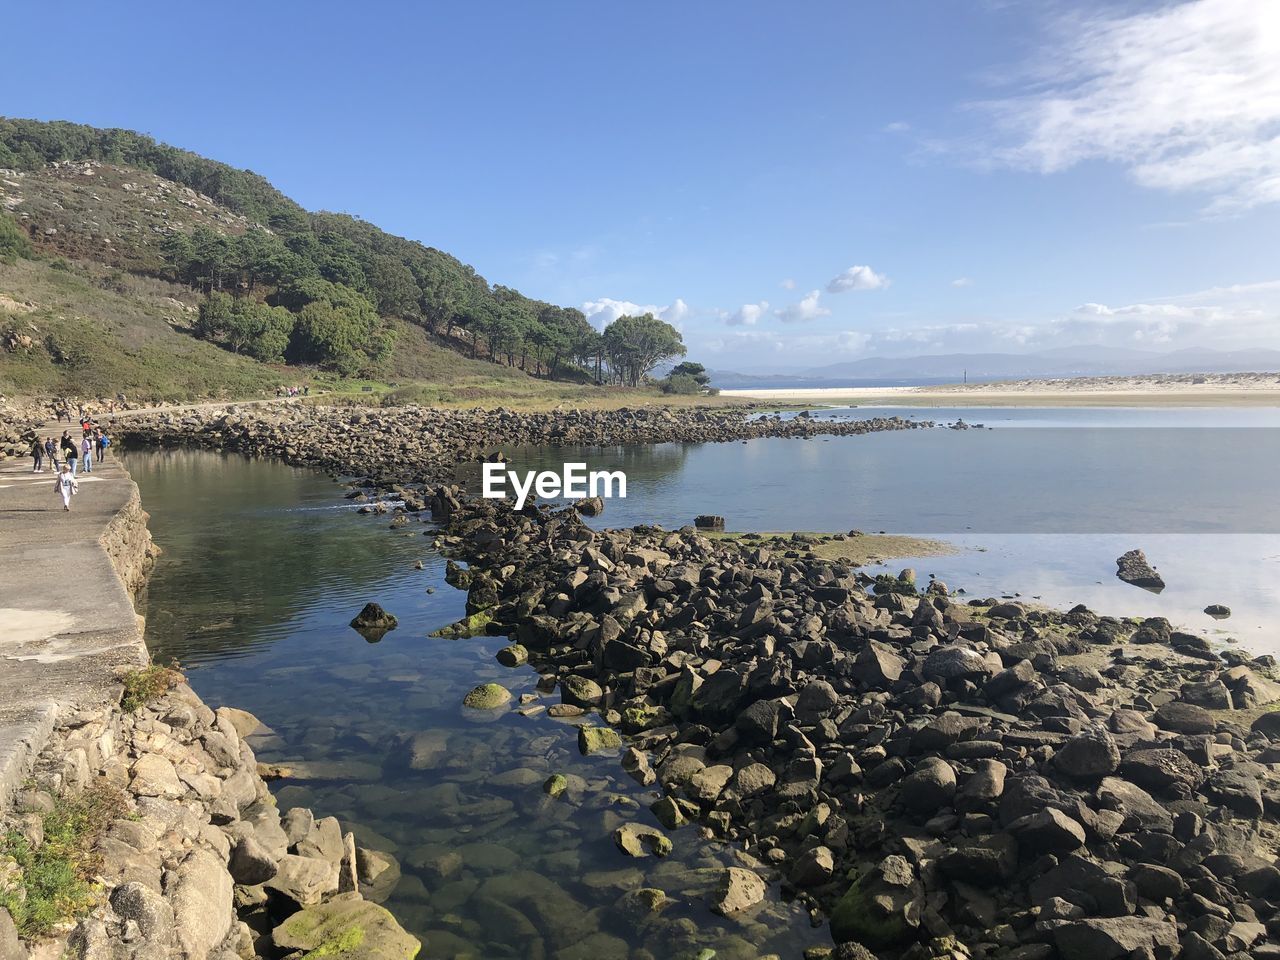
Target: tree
635, 345
393, 285
336, 326
686, 378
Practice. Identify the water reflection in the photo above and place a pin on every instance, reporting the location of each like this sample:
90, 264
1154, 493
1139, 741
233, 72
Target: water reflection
260, 579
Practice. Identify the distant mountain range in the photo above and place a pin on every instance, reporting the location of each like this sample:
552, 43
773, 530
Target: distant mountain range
1085, 361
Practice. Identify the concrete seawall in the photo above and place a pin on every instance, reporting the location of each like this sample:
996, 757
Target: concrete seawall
198, 862
67, 581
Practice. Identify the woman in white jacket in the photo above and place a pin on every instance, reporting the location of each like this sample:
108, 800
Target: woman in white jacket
65, 485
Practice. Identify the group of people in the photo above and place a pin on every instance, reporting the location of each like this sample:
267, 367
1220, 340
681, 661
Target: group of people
68, 455
303, 391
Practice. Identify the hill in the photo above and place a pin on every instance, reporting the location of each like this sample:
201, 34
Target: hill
84, 329
123, 225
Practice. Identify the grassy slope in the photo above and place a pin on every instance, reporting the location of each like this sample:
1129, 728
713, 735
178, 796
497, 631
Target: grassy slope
95, 336
97, 332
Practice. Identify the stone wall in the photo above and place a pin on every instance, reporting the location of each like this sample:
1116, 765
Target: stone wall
196, 860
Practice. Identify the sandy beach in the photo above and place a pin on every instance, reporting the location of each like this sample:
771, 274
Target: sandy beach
1166, 390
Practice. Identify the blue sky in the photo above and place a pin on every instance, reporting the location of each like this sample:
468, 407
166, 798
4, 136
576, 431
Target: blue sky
791, 184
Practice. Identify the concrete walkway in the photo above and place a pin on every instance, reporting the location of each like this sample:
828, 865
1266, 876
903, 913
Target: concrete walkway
67, 623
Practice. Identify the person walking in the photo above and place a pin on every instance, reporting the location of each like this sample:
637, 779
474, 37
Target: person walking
65, 485
102, 441
86, 453
69, 452
51, 453
37, 454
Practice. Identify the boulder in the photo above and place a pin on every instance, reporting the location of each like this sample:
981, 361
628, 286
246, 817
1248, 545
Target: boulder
201, 896
1132, 567
638, 840
1115, 938
581, 691
931, 785
373, 617
487, 696
1049, 831
597, 740
737, 890
1089, 755
302, 880
345, 928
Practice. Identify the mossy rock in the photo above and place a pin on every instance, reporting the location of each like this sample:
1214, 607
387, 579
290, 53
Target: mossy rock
345, 928
472, 626
555, 785
598, 740
855, 917
487, 696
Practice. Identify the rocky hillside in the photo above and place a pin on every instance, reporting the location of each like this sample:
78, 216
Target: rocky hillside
90, 210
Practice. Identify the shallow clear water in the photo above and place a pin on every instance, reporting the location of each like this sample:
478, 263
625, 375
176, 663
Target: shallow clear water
264, 566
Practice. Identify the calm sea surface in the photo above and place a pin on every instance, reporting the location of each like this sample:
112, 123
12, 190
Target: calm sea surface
266, 564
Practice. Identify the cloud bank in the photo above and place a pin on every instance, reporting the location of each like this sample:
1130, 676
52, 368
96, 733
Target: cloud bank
1186, 97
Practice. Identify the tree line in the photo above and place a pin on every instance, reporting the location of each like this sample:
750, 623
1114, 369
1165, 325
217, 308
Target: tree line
319, 288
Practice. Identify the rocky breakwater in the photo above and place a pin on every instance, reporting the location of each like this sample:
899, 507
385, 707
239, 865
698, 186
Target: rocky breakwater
19, 422
417, 444
156, 824
935, 778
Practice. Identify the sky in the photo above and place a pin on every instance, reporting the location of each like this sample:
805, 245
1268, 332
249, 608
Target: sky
791, 185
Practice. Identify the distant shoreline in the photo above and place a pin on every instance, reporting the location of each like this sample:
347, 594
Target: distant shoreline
1181, 390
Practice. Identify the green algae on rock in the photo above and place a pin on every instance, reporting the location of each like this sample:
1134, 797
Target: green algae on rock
487, 696
598, 740
345, 928
470, 626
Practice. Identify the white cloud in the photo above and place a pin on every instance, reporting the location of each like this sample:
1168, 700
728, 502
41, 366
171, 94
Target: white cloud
898, 126
600, 313
1185, 96
962, 282
807, 309
857, 278
747, 315
788, 284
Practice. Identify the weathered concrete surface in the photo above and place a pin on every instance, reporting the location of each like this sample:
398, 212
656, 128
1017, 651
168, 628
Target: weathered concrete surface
67, 622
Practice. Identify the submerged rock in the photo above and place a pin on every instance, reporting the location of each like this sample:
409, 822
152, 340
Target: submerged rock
487, 696
638, 840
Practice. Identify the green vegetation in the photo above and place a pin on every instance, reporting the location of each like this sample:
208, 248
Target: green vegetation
635, 345
688, 378
348, 287
13, 242
53, 883
146, 685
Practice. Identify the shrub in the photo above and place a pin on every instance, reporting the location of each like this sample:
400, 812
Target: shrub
141, 687
13, 242
53, 883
